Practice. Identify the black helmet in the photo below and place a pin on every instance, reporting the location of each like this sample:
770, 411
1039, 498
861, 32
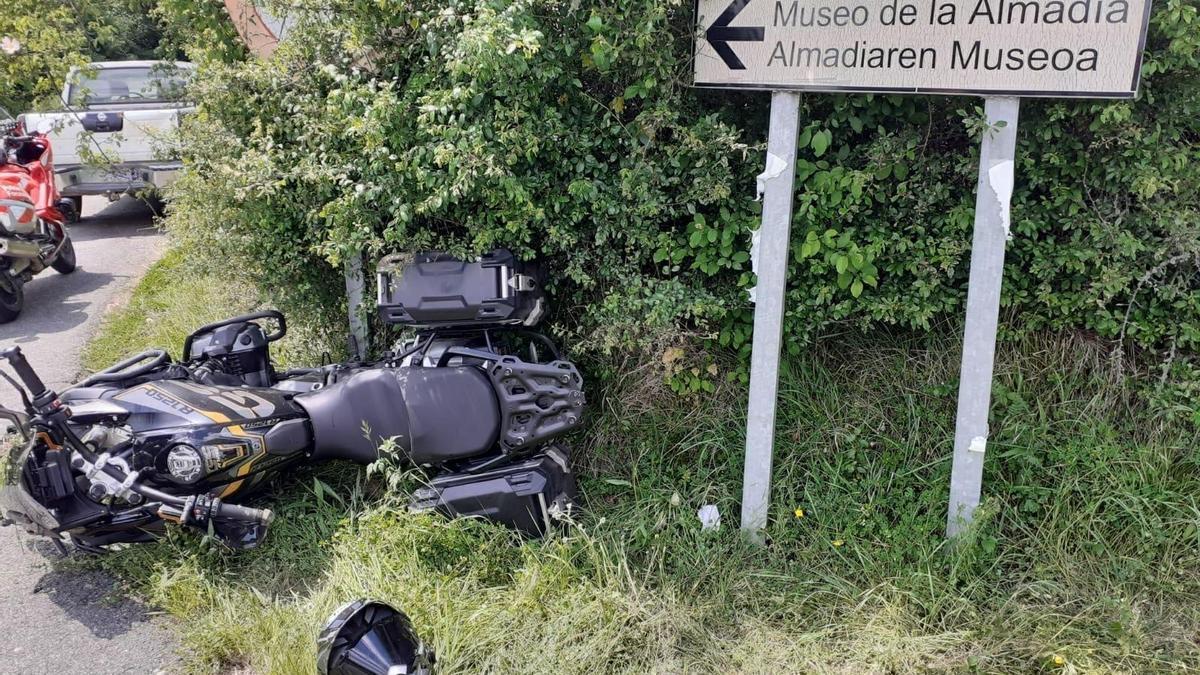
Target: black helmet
368, 637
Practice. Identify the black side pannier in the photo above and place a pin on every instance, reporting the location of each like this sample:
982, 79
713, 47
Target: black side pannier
526, 496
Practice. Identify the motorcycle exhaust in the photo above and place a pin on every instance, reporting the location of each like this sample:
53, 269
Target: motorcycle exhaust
15, 248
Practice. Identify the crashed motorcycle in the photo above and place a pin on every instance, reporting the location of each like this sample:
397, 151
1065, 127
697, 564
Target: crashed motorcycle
33, 217
473, 397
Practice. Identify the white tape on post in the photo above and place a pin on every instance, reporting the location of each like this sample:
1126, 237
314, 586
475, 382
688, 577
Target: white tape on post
992, 199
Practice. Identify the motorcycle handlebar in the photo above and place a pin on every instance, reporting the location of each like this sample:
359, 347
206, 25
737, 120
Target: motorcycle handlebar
200, 509
117, 372
24, 371
245, 513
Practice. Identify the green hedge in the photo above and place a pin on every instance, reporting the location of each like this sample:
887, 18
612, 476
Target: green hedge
569, 130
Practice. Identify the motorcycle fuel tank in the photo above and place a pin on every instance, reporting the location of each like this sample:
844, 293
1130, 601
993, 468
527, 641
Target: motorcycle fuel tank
216, 437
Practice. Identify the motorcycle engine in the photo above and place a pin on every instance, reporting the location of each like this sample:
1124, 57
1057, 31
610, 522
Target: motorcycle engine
234, 354
98, 485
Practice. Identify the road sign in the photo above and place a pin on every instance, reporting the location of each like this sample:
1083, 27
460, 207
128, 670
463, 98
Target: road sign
1001, 49
1057, 48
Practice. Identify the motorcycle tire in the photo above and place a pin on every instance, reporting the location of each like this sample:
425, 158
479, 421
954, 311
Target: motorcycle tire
65, 262
12, 297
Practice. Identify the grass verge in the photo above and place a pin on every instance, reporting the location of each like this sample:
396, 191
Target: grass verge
174, 298
170, 301
1086, 557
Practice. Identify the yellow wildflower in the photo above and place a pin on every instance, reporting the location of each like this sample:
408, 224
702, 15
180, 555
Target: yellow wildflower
799, 512
838, 542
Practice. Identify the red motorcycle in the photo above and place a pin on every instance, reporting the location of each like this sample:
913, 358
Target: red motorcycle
33, 217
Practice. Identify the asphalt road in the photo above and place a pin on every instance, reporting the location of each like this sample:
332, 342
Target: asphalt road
71, 621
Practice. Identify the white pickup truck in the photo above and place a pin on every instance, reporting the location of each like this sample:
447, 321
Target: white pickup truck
107, 139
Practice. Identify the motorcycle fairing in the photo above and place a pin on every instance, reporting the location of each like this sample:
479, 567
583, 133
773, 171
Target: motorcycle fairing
17, 214
172, 403
243, 431
32, 176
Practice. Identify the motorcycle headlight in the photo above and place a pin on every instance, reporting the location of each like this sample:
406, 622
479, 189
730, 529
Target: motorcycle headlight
8, 221
185, 464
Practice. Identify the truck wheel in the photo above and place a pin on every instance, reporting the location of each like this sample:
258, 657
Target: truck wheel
154, 200
12, 297
77, 207
65, 262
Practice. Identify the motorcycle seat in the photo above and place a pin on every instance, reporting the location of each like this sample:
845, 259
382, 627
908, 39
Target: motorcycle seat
433, 415
452, 413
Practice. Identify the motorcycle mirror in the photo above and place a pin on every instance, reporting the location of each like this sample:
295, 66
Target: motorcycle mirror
18, 421
368, 637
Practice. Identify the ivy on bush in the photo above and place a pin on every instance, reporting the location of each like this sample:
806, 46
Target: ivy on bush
568, 130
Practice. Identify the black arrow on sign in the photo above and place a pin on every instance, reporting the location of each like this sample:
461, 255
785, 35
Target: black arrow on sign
719, 34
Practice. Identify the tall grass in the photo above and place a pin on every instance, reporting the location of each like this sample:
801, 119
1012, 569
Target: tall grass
1085, 557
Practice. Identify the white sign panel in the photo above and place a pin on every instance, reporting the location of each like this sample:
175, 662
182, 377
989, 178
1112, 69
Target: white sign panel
1086, 48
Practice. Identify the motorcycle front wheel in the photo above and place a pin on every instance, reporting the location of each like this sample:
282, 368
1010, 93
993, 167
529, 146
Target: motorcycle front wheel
12, 297
65, 262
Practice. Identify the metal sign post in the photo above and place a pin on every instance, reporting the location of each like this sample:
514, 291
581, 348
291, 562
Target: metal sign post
997, 50
774, 233
993, 194
355, 285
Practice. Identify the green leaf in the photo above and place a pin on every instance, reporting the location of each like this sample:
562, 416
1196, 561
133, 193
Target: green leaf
595, 23
820, 142
856, 288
